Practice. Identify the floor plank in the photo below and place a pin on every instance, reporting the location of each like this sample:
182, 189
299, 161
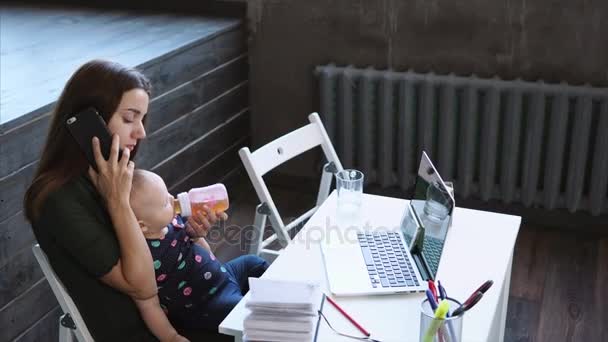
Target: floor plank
522, 320
531, 257
568, 304
601, 288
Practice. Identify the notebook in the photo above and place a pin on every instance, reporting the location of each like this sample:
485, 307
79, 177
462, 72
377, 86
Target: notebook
282, 311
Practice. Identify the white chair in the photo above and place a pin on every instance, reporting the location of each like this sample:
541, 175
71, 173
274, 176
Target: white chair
71, 324
273, 154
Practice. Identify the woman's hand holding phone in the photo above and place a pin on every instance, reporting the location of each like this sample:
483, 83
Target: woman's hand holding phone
114, 176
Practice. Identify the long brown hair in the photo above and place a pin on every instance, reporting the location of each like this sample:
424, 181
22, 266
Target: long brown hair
99, 84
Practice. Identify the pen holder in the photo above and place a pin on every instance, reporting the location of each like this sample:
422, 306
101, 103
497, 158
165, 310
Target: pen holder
440, 330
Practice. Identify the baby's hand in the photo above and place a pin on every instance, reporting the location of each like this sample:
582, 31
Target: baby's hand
199, 224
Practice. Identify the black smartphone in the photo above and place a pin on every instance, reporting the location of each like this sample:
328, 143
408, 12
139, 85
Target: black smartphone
85, 125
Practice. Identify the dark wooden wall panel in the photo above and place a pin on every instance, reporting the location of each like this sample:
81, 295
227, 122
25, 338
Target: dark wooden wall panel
161, 144
178, 67
26, 310
12, 189
210, 145
199, 118
21, 145
18, 275
15, 235
46, 329
220, 169
184, 99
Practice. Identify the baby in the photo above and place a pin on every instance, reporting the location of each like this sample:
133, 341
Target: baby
195, 290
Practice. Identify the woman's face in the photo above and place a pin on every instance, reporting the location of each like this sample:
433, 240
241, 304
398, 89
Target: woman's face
127, 121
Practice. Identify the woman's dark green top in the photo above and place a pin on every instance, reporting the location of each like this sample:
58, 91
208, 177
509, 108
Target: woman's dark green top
75, 231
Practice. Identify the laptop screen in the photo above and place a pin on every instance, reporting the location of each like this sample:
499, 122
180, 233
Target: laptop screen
426, 221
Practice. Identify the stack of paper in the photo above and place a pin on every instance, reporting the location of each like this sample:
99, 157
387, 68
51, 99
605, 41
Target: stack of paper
281, 311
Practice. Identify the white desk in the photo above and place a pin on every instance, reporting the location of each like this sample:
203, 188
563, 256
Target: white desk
479, 247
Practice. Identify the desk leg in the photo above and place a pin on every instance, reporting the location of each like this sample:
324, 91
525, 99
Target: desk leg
238, 338
504, 303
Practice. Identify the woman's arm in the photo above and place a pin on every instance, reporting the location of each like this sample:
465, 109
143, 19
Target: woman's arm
157, 321
134, 272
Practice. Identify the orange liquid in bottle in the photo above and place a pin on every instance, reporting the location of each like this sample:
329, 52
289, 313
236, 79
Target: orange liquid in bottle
177, 209
215, 206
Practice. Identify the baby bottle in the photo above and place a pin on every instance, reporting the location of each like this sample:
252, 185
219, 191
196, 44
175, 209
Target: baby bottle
215, 197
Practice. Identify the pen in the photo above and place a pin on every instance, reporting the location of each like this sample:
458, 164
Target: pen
433, 288
474, 298
357, 325
431, 299
442, 293
485, 286
468, 304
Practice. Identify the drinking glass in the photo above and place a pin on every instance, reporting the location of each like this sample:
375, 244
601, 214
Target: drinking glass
349, 183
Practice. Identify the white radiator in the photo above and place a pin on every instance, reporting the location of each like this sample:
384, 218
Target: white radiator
534, 143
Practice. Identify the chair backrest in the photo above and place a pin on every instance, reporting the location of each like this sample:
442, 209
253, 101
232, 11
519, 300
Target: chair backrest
64, 299
280, 150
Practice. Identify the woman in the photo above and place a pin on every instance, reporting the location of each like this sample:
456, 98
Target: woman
82, 219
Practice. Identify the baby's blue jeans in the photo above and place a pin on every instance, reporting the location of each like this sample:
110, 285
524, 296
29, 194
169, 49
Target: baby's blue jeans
220, 305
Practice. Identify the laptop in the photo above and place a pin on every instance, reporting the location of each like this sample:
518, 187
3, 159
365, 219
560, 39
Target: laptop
401, 259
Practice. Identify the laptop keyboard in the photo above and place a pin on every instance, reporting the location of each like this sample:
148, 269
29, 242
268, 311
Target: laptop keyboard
432, 248
387, 262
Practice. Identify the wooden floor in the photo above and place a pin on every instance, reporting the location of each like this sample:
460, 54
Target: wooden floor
559, 286
42, 47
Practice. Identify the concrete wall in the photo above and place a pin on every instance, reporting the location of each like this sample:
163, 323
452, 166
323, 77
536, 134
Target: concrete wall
553, 40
